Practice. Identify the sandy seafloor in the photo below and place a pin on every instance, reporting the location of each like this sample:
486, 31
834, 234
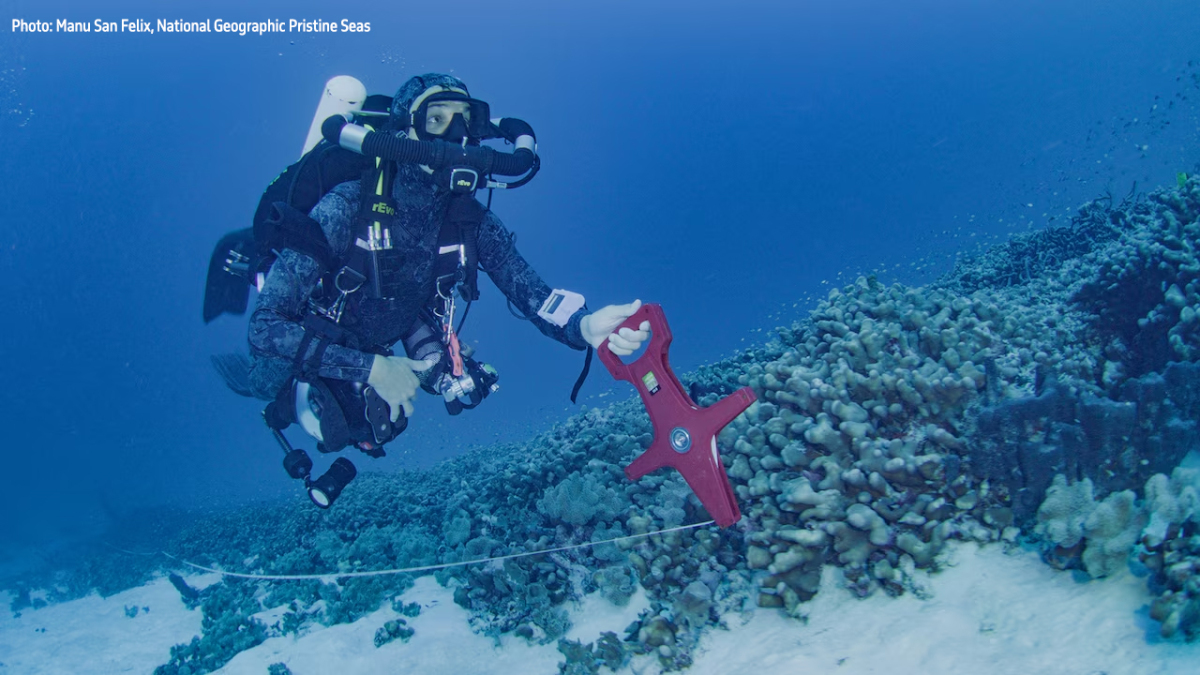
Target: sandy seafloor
988, 611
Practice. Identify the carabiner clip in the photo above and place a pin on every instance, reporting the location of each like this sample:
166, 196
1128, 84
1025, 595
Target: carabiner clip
356, 281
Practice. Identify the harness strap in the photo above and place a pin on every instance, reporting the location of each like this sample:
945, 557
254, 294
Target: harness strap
307, 368
450, 256
377, 206
587, 366
372, 252
464, 216
469, 232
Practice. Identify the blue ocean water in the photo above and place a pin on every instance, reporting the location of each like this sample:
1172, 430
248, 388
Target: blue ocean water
730, 163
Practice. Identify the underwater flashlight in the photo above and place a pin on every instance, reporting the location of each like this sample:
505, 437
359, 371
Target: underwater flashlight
324, 490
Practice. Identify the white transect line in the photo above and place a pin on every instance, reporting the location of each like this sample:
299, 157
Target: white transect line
297, 577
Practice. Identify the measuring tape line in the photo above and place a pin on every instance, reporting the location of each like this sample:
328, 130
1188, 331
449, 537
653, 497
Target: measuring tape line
424, 568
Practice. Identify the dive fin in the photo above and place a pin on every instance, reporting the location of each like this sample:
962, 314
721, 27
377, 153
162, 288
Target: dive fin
234, 369
227, 290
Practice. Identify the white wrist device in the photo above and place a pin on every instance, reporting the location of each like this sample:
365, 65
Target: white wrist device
558, 308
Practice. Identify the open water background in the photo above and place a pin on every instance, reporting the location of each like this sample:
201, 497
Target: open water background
731, 161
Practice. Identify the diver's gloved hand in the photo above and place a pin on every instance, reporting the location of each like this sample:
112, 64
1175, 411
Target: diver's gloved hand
394, 379
599, 325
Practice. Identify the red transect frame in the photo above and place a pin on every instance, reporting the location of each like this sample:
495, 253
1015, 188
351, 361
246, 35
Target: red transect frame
685, 435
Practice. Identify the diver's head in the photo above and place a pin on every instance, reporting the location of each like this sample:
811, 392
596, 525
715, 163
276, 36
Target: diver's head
437, 106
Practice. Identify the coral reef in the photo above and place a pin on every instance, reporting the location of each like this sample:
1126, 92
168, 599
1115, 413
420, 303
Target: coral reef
580, 500
1116, 443
228, 629
393, 630
1045, 391
1145, 286
588, 659
1170, 549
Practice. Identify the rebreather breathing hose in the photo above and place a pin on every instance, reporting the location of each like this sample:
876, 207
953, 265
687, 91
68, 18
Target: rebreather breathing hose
423, 568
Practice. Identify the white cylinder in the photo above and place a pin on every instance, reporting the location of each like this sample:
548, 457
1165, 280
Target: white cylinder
343, 95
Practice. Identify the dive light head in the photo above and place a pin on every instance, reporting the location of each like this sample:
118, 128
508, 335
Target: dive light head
325, 490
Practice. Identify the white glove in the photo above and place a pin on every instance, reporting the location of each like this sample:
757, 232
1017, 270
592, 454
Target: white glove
599, 325
394, 379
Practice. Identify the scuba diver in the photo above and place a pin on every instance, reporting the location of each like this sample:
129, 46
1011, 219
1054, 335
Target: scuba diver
378, 265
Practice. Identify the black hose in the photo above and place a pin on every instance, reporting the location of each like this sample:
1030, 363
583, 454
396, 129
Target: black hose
512, 128
479, 157
434, 154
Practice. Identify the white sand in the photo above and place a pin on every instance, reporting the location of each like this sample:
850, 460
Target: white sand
94, 635
989, 613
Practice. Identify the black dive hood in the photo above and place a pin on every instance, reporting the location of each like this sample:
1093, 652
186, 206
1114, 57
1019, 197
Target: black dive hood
439, 154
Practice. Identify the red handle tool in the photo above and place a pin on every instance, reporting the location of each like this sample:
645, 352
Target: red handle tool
685, 435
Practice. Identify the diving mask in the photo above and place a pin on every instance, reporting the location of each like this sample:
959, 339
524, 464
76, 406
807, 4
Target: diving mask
452, 116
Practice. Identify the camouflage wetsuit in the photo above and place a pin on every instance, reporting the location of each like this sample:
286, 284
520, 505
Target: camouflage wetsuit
275, 326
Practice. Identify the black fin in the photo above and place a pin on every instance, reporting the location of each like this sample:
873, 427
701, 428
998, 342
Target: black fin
234, 369
225, 292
